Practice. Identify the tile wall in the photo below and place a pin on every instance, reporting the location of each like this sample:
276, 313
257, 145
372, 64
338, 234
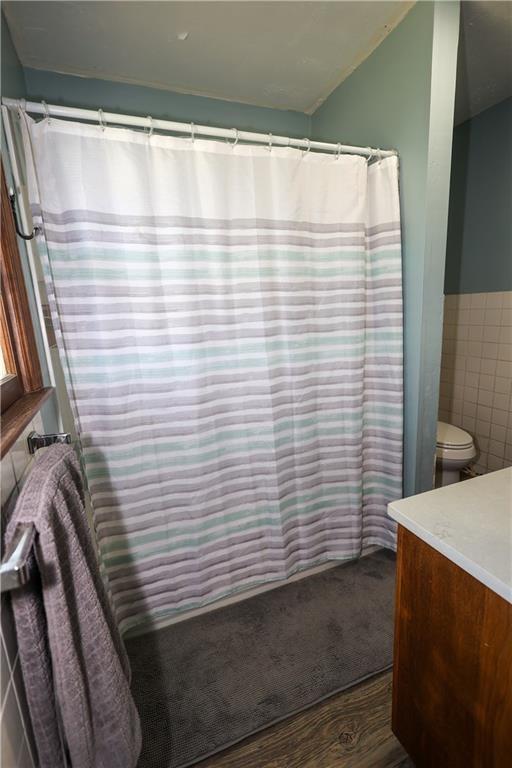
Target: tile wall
17, 748
476, 373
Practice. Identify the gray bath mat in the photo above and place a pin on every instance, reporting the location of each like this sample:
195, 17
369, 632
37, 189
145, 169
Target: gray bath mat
208, 682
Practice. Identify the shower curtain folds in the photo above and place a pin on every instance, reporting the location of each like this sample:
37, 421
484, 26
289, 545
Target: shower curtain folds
229, 321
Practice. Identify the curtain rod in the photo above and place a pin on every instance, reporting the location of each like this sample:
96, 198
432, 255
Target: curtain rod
154, 124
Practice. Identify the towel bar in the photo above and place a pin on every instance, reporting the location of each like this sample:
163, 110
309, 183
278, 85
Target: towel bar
14, 570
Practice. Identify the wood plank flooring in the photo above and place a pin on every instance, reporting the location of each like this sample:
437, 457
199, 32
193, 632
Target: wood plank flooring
349, 730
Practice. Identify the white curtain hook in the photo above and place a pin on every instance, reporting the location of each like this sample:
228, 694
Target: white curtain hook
305, 152
379, 155
270, 142
338, 151
46, 110
192, 132
150, 132
236, 138
371, 154
101, 119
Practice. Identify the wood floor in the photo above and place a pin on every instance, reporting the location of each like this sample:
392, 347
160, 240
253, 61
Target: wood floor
349, 730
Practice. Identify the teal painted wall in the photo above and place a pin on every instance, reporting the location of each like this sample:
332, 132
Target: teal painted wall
479, 249
138, 100
13, 79
402, 97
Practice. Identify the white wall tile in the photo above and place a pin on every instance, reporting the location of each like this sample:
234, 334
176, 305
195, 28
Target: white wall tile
473, 363
477, 300
476, 317
471, 394
21, 457
504, 368
498, 432
499, 417
490, 332
489, 351
12, 733
476, 373
468, 409
25, 757
492, 317
506, 317
494, 300
486, 382
8, 478
505, 352
488, 367
37, 424
483, 428
471, 379
495, 462
505, 334
501, 401
483, 413
16, 741
485, 397
502, 385
468, 423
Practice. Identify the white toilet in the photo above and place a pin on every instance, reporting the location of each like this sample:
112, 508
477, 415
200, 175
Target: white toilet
455, 449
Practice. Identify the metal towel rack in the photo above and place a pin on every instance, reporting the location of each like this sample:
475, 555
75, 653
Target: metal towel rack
14, 570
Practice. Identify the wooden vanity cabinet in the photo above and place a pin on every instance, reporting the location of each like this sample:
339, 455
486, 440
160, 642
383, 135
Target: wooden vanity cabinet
452, 675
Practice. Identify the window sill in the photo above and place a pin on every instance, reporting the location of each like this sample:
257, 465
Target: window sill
21, 413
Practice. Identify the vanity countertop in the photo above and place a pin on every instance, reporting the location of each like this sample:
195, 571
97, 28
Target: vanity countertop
470, 523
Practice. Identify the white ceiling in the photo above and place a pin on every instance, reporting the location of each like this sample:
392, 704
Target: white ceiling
484, 67
286, 55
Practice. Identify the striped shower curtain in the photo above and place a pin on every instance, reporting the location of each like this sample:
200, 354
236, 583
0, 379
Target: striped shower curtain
229, 319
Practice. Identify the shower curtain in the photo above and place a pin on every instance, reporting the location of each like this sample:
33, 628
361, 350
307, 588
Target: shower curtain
229, 319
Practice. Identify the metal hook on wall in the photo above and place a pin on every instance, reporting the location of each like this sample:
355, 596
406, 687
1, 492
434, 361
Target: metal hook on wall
35, 231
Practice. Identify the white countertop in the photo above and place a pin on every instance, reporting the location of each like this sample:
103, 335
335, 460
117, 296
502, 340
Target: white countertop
470, 523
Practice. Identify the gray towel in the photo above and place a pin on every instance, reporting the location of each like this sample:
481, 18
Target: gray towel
72, 656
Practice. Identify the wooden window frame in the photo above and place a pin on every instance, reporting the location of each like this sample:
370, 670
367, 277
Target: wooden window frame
21, 392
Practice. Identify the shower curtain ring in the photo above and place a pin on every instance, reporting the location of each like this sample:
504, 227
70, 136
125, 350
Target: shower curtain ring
235, 142
46, 111
150, 132
101, 120
309, 147
371, 154
192, 132
338, 151
270, 142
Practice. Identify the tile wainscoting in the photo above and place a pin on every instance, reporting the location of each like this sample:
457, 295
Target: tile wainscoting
17, 747
476, 373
